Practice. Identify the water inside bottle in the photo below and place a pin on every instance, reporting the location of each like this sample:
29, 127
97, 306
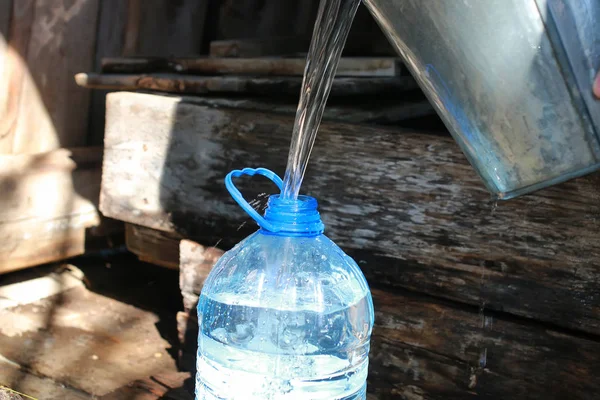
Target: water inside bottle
304, 353
332, 26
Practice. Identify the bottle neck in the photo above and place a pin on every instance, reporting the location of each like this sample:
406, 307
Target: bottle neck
297, 217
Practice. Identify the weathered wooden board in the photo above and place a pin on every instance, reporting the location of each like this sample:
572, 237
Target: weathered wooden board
274, 66
88, 341
272, 86
49, 42
364, 110
35, 387
196, 261
156, 28
169, 386
152, 246
360, 44
112, 340
47, 201
258, 47
170, 28
250, 28
428, 349
261, 19
113, 30
14, 71
5, 12
406, 205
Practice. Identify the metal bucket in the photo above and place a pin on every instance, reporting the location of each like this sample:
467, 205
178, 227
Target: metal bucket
511, 79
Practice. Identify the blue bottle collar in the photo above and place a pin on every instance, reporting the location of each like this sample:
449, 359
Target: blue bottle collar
283, 217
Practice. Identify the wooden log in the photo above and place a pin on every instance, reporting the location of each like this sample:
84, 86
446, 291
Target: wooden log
274, 86
47, 201
423, 348
406, 205
356, 66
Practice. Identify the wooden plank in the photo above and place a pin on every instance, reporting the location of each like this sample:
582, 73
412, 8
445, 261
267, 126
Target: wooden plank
373, 111
34, 387
365, 38
196, 261
428, 349
47, 201
260, 19
273, 66
158, 28
58, 42
5, 13
257, 47
49, 284
152, 246
85, 340
171, 28
5, 16
169, 386
425, 219
113, 30
14, 71
273, 86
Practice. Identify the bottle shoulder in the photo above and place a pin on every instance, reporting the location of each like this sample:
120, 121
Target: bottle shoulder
298, 271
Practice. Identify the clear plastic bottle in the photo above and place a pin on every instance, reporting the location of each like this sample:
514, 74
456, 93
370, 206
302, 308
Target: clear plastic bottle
285, 314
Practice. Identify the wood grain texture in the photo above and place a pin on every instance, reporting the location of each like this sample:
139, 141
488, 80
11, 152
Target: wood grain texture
168, 386
47, 201
5, 13
110, 42
250, 28
267, 86
57, 41
406, 205
37, 387
14, 71
361, 111
84, 340
242, 19
424, 348
154, 28
273, 66
152, 246
171, 28
195, 263
257, 47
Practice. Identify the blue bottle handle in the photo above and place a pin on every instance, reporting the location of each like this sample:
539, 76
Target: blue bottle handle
237, 196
